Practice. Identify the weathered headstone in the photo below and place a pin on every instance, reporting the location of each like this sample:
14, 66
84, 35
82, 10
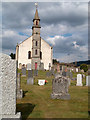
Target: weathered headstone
30, 77
23, 71
79, 80
71, 75
87, 80
19, 91
8, 88
64, 73
41, 67
48, 74
41, 82
35, 72
52, 71
60, 86
28, 66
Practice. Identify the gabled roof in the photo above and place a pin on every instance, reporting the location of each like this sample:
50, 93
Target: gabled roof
36, 15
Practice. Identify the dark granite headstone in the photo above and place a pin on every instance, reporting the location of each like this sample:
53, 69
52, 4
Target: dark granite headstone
19, 91
64, 73
35, 72
30, 77
23, 71
60, 86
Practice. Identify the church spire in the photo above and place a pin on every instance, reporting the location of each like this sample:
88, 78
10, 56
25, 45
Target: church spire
36, 17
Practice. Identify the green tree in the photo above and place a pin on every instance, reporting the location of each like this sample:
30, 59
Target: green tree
55, 61
84, 67
12, 55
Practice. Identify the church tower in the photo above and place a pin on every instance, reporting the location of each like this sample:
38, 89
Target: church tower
36, 41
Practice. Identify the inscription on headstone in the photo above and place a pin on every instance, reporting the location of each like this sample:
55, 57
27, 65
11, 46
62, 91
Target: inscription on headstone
60, 86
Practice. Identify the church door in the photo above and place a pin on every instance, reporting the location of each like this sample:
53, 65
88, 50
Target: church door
35, 65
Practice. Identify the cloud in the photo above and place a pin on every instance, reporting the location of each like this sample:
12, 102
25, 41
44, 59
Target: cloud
63, 25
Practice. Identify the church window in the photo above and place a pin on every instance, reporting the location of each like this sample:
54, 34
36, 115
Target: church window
36, 22
36, 43
40, 55
35, 52
29, 54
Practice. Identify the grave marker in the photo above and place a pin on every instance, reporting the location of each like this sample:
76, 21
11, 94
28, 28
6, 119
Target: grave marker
8, 88
30, 77
79, 80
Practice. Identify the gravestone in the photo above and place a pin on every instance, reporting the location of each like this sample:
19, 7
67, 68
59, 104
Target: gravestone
41, 82
19, 91
71, 75
79, 80
8, 88
30, 77
23, 71
60, 68
77, 70
52, 71
28, 66
64, 73
60, 86
35, 72
87, 80
48, 74
41, 67
49, 66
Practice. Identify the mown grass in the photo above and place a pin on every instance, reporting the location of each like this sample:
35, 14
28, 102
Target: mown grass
37, 103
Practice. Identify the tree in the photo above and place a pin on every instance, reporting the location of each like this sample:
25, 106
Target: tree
84, 67
55, 61
12, 55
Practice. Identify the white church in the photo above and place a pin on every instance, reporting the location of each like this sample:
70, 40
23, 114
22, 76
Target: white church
34, 50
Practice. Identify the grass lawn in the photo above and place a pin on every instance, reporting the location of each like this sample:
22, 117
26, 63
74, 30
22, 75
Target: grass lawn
37, 103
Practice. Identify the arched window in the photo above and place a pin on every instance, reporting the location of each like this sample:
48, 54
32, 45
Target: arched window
35, 52
40, 55
29, 54
36, 22
36, 43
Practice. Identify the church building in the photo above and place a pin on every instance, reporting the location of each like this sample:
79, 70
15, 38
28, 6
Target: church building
34, 50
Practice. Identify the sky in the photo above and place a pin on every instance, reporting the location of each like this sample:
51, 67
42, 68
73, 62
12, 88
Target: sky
64, 25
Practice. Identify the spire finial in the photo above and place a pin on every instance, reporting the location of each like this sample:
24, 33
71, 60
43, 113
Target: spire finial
36, 4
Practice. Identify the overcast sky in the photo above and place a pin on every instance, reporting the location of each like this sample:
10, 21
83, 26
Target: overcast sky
63, 25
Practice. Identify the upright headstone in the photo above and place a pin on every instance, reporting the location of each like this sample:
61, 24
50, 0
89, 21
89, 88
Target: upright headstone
87, 80
49, 66
71, 75
8, 88
77, 70
28, 66
19, 91
30, 77
64, 73
35, 72
79, 80
41, 67
60, 86
23, 71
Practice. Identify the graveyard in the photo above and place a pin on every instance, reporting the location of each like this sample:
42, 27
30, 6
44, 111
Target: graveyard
37, 102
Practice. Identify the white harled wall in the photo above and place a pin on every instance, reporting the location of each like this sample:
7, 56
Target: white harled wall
26, 46
46, 54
